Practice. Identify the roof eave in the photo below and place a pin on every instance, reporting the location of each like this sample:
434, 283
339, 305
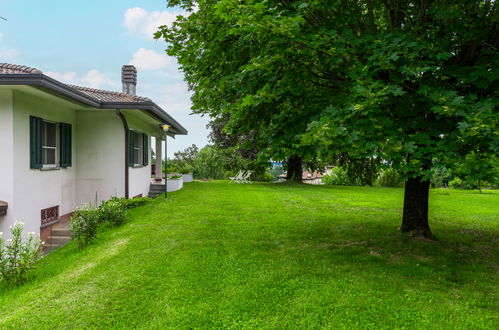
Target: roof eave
153, 108
44, 81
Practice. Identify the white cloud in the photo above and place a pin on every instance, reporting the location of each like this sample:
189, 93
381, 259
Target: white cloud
67, 77
138, 21
148, 59
176, 98
1, 36
9, 55
93, 78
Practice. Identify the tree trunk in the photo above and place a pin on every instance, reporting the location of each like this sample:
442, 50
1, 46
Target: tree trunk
371, 171
295, 170
415, 218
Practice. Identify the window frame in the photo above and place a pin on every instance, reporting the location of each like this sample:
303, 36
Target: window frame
55, 148
137, 148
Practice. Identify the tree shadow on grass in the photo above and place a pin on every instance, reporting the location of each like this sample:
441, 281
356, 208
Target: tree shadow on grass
458, 256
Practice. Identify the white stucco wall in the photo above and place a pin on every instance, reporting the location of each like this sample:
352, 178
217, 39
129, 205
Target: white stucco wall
98, 157
101, 156
6, 156
36, 189
140, 177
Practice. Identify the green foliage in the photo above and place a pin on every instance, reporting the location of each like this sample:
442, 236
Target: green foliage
216, 163
174, 177
264, 177
368, 77
389, 178
456, 183
441, 177
131, 202
362, 171
112, 212
405, 81
135, 202
338, 177
84, 223
183, 161
18, 255
477, 169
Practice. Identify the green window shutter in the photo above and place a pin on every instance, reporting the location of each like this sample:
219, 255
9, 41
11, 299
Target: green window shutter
35, 141
131, 142
65, 145
145, 149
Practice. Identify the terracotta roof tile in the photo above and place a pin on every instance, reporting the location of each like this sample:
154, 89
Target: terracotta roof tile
109, 96
6, 68
97, 94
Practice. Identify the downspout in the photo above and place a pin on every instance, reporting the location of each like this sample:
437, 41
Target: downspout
125, 126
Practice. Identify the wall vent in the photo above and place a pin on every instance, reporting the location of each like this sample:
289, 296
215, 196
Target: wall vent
49, 214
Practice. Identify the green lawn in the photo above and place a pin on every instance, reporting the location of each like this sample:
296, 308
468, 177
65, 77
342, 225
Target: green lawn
273, 255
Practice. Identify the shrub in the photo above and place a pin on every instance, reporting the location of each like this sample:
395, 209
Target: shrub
389, 178
338, 177
18, 256
113, 212
440, 178
186, 170
456, 183
265, 177
84, 223
174, 177
134, 202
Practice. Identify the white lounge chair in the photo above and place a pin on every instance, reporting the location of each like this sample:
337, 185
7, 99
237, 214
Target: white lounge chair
237, 177
246, 177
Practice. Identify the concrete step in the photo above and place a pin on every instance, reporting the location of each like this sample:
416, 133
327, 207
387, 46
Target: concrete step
59, 239
50, 247
61, 232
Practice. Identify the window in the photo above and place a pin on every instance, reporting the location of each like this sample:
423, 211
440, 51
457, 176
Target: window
137, 149
49, 144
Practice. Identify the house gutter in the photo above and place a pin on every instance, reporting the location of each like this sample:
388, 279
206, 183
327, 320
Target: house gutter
127, 142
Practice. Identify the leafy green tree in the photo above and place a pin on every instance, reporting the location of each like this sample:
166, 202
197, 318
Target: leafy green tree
477, 168
183, 161
234, 73
407, 81
217, 163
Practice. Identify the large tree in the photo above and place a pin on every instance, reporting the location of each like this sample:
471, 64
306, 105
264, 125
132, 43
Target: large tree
235, 74
405, 81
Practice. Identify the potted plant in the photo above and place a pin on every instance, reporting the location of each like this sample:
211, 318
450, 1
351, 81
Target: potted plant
174, 183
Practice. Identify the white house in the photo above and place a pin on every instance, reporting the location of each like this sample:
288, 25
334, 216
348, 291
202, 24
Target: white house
62, 146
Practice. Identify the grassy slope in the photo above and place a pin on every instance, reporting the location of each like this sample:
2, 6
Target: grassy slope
221, 255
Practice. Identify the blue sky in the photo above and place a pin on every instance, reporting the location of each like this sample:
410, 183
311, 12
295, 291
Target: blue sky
86, 42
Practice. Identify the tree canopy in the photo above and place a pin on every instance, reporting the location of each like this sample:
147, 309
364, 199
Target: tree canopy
405, 81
